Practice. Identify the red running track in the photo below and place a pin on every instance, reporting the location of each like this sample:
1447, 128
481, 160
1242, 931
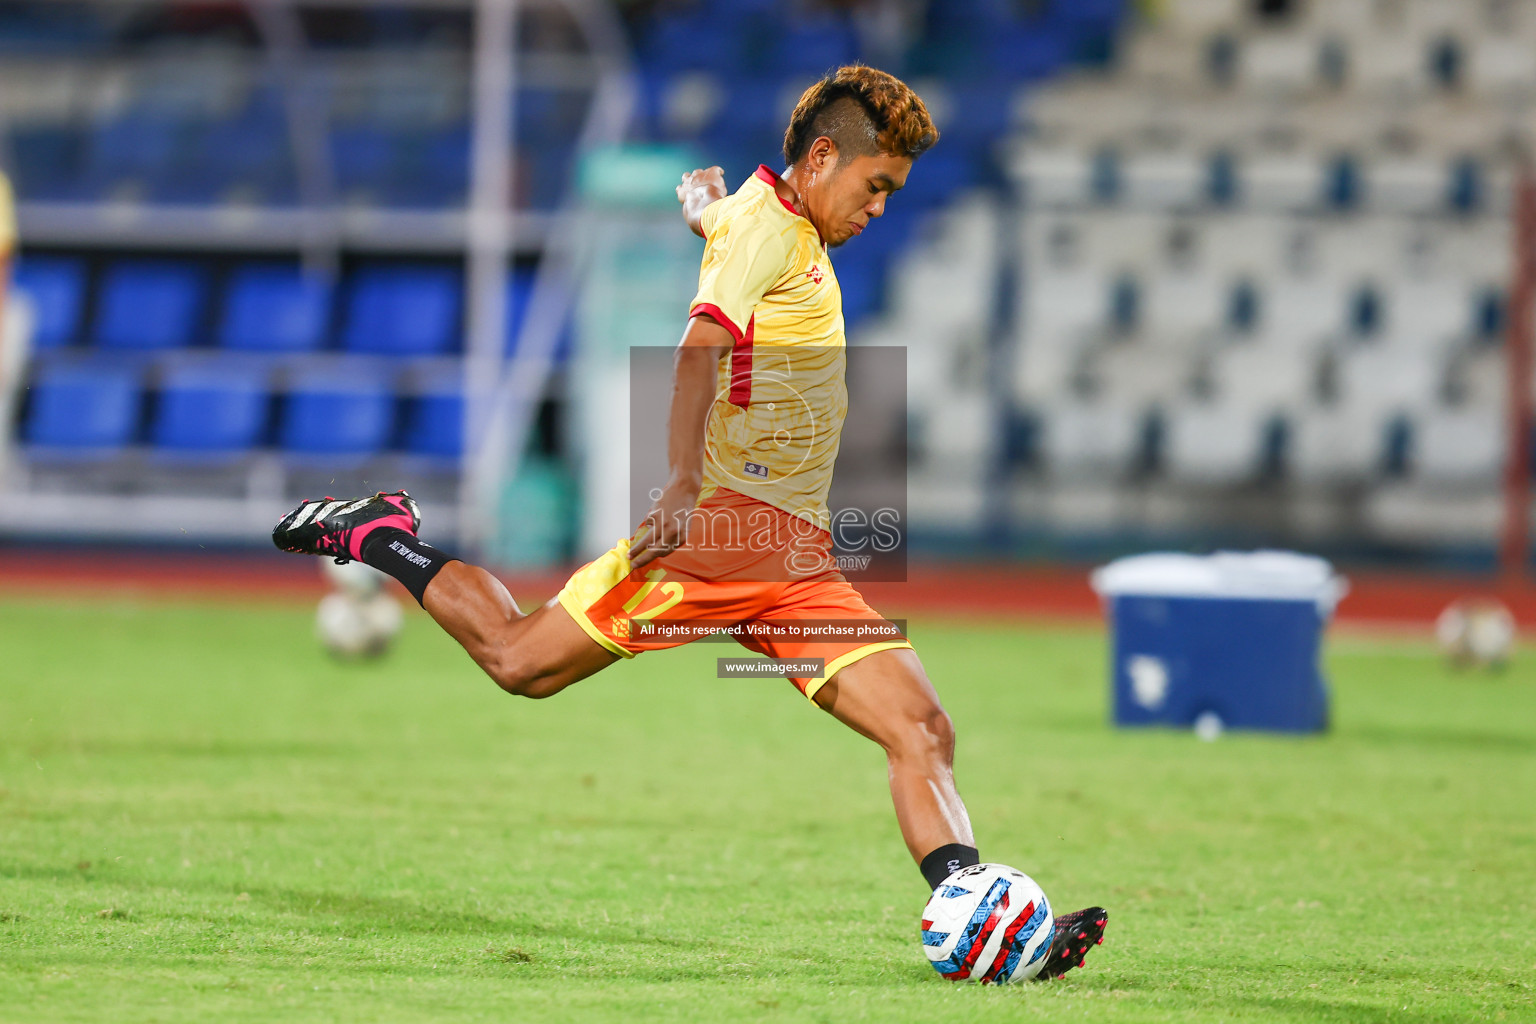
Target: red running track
1376, 597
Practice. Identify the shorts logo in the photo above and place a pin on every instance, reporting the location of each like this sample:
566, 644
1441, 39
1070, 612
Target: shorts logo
620, 627
755, 470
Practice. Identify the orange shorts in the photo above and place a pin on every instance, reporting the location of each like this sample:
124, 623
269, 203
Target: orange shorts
747, 564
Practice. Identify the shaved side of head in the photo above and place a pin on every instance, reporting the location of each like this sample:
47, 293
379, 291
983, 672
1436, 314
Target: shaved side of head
863, 111
850, 128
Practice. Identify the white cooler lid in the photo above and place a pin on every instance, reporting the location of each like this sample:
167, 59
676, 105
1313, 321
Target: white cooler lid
1242, 575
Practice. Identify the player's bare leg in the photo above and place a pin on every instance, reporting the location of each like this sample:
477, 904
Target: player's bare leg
888, 698
533, 655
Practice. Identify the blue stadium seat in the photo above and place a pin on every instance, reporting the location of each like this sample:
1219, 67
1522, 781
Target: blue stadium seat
46, 161
48, 29
692, 43
275, 309
404, 311
980, 113
1032, 50
545, 116
151, 304
337, 416
84, 407
519, 294
815, 46
750, 122
443, 167
651, 86
860, 276
56, 286
210, 410
519, 298
135, 148
979, 16
364, 158
1089, 15
251, 154
1343, 188
1467, 186
434, 425
394, 168
935, 179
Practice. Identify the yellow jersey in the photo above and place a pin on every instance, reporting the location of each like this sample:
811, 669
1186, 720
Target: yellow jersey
7, 218
777, 419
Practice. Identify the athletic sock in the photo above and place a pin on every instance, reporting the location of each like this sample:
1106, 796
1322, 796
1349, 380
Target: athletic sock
409, 560
945, 861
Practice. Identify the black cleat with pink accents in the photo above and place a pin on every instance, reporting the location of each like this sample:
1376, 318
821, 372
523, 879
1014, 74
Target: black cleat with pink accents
338, 527
1076, 933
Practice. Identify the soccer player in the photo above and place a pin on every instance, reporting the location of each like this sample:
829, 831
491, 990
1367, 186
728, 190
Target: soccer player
738, 533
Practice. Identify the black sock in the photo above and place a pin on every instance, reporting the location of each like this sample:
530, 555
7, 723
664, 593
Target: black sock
390, 549
945, 861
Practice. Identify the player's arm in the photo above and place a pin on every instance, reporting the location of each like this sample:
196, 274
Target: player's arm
740, 264
699, 189
694, 377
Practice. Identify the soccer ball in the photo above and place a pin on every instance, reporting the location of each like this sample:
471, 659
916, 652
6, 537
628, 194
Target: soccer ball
988, 923
1476, 631
356, 620
353, 626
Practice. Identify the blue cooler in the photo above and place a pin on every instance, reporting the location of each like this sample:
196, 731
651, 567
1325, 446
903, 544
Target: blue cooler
1231, 635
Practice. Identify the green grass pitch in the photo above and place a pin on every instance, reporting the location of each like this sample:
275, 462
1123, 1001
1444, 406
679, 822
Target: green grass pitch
202, 818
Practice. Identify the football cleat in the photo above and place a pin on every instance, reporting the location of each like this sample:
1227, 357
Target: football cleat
1076, 933
338, 527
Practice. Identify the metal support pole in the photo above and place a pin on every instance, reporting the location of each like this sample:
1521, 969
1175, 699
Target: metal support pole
489, 240
1515, 548
307, 115
498, 453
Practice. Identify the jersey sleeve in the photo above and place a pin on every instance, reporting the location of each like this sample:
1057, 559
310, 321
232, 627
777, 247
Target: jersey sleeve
743, 257
7, 218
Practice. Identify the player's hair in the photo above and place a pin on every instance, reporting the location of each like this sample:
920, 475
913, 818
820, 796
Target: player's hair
864, 112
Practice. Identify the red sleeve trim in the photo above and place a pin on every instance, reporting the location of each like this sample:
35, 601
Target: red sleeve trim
741, 368
715, 313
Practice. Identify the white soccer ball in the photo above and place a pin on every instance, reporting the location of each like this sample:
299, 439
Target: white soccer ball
1476, 631
988, 923
350, 626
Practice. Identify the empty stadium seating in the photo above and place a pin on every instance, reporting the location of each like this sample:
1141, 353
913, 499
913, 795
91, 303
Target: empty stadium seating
275, 308
403, 311
434, 425
150, 304
216, 411
1217, 250
56, 288
275, 343
1341, 206
84, 409
337, 417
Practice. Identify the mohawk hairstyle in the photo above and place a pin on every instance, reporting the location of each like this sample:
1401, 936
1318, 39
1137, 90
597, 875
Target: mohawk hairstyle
864, 111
